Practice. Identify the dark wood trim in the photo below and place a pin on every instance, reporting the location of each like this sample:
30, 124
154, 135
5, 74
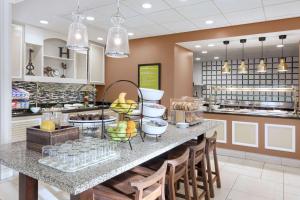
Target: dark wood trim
86, 195
28, 188
159, 72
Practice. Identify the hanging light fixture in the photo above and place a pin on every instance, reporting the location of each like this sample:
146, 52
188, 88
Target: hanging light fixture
226, 69
282, 67
117, 45
262, 67
242, 69
78, 35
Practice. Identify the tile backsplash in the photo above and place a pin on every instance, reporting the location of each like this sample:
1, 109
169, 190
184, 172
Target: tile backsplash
53, 93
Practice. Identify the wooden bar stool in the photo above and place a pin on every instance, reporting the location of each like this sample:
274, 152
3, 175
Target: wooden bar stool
198, 164
133, 187
213, 176
177, 170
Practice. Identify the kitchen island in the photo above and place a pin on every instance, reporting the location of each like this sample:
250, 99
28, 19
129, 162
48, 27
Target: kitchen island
78, 184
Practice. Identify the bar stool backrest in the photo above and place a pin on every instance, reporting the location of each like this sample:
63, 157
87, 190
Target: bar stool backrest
211, 142
152, 187
176, 165
197, 153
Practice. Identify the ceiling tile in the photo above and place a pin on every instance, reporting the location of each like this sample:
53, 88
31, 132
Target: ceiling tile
236, 5
248, 16
270, 2
219, 21
157, 5
291, 9
181, 3
155, 29
181, 26
164, 16
137, 21
203, 9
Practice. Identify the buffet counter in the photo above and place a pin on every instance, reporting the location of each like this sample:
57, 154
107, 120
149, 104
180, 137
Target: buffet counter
271, 133
256, 112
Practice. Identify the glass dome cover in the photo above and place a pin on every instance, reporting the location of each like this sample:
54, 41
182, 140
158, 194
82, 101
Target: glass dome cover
77, 35
117, 44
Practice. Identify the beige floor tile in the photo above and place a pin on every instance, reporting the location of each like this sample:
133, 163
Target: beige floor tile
292, 176
237, 195
262, 188
247, 171
272, 172
291, 190
291, 197
221, 194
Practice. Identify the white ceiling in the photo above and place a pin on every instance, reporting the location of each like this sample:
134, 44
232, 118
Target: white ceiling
252, 46
165, 16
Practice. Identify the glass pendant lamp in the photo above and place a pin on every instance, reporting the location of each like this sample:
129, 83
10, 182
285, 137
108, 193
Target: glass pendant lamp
262, 67
242, 69
117, 44
282, 67
78, 35
226, 69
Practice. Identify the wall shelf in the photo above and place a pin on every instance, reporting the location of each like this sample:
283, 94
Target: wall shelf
58, 58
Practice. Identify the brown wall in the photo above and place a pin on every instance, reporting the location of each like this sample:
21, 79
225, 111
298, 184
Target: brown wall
160, 49
183, 72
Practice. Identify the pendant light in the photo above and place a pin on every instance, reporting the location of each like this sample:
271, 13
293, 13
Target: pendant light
117, 45
262, 67
282, 67
78, 35
226, 69
242, 69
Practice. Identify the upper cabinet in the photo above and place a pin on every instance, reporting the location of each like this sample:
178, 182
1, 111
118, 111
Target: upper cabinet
17, 41
51, 60
96, 69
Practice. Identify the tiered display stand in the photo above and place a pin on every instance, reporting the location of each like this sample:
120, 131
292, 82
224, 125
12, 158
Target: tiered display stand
122, 112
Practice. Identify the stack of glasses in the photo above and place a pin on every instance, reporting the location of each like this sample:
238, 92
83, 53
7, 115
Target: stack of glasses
74, 155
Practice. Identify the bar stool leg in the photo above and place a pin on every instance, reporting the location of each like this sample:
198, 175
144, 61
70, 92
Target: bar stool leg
194, 183
209, 174
204, 180
172, 192
217, 168
187, 185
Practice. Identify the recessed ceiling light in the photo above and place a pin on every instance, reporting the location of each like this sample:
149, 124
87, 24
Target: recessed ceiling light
100, 38
90, 18
211, 45
147, 5
279, 45
130, 34
204, 52
209, 22
197, 46
197, 58
44, 22
216, 57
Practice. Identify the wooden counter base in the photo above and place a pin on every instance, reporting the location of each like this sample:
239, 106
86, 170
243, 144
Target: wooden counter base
283, 132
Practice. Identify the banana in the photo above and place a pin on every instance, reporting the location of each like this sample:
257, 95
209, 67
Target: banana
133, 104
122, 97
115, 104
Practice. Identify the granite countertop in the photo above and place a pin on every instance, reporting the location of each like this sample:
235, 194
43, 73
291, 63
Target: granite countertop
257, 113
17, 157
29, 113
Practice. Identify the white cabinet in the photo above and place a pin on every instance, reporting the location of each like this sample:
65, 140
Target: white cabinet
17, 41
20, 124
96, 69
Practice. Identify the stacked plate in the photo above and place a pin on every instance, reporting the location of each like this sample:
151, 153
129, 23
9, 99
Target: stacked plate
153, 124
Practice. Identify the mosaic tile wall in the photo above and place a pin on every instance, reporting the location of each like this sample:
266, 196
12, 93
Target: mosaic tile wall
53, 93
212, 76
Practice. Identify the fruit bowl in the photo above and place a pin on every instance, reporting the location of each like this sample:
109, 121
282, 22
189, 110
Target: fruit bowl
123, 106
122, 131
153, 110
151, 94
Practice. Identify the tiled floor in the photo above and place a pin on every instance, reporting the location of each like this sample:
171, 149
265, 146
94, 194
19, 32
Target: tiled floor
241, 180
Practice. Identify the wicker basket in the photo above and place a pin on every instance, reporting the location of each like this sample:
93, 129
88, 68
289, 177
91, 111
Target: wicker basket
37, 138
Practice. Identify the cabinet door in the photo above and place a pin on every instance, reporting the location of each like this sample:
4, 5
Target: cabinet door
19, 127
16, 51
96, 65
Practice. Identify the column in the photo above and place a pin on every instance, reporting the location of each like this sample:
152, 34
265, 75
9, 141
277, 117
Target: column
5, 79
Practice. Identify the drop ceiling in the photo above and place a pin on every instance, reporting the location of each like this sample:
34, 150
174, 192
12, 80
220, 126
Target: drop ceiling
165, 16
216, 48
